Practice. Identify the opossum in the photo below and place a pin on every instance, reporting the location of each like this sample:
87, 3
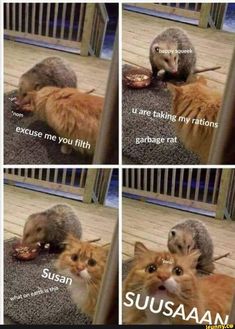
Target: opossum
52, 71
173, 52
52, 227
190, 235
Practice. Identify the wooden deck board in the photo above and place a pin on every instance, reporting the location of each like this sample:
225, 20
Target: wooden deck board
150, 224
97, 221
91, 72
213, 47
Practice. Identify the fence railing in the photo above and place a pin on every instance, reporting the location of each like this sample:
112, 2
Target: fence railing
222, 150
230, 206
91, 184
73, 25
207, 14
95, 24
196, 188
206, 189
64, 180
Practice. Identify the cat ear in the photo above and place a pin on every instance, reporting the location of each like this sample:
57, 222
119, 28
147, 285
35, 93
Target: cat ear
202, 80
32, 94
106, 248
70, 239
193, 258
140, 249
175, 90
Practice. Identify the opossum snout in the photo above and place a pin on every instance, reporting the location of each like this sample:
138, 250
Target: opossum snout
23, 100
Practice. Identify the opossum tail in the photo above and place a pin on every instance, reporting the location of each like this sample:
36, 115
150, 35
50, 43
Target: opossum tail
222, 256
90, 91
207, 69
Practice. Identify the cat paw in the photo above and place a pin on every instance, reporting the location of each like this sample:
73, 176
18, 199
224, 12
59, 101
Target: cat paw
66, 149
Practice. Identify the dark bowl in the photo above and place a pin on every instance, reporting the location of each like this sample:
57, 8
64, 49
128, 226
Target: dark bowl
137, 77
24, 252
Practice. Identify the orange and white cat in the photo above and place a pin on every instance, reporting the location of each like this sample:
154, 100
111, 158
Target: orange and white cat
198, 102
84, 263
71, 113
170, 278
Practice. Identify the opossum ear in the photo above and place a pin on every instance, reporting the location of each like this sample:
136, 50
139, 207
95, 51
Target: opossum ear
37, 86
173, 233
140, 249
62, 246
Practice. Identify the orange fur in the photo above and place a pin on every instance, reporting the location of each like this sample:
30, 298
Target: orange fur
213, 292
71, 113
196, 101
86, 278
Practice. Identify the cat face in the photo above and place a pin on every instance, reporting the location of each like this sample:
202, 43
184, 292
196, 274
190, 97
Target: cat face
163, 275
83, 261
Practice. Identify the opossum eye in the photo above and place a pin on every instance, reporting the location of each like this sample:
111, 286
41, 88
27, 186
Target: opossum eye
179, 246
151, 268
91, 262
178, 271
24, 94
39, 229
174, 58
74, 257
157, 49
166, 60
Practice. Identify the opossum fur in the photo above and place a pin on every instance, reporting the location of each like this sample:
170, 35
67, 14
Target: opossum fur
177, 66
52, 71
52, 226
190, 235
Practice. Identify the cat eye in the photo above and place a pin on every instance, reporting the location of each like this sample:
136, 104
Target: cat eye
178, 271
39, 229
74, 257
151, 268
91, 262
166, 60
179, 246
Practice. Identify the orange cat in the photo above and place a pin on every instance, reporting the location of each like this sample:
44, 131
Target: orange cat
85, 264
70, 113
201, 104
169, 282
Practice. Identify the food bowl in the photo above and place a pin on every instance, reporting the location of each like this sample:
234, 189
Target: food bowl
137, 77
24, 252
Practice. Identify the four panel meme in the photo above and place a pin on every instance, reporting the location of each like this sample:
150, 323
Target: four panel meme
118, 163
